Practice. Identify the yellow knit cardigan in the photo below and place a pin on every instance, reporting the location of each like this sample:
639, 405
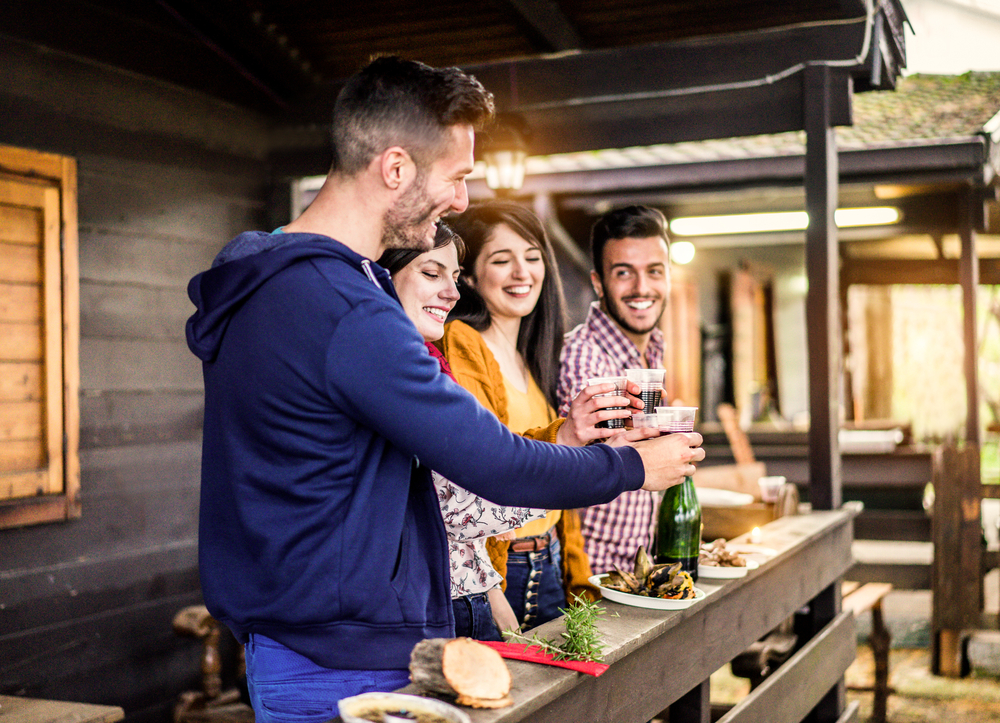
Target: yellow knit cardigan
477, 370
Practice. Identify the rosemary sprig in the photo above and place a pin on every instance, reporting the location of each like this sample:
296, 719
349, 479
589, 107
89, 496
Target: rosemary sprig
580, 641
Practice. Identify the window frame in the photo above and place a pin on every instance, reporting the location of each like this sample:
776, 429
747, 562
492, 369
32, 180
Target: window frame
58, 172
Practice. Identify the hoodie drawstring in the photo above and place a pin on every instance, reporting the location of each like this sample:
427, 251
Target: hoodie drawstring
367, 266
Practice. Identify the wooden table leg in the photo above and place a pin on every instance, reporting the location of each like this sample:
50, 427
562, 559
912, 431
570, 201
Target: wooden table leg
880, 642
693, 706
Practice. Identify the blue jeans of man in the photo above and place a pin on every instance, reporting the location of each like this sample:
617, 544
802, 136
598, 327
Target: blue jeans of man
535, 585
286, 687
474, 618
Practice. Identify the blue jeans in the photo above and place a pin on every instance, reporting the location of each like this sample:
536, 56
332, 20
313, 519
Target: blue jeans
535, 585
474, 618
286, 687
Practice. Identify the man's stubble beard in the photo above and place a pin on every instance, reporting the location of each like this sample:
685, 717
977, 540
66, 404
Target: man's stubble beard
613, 309
401, 224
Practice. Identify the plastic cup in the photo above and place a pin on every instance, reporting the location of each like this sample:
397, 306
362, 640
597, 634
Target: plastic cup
770, 488
641, 420
676, 419
619, 391
650, 381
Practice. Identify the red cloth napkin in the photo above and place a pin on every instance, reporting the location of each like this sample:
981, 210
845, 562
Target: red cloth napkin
534, 654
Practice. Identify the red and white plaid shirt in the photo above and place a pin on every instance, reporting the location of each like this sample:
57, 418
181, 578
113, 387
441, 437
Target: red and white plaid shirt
599, 348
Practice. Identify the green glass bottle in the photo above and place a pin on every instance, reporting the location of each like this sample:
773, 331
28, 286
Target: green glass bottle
678, 530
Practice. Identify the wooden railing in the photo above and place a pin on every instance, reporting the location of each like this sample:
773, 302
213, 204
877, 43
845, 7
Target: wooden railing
662, 660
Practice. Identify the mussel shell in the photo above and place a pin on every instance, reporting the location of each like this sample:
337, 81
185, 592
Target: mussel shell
642, 565
633, 583
612, 577
663, 573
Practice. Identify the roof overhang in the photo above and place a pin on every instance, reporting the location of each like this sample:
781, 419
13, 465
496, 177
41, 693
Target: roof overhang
726, 86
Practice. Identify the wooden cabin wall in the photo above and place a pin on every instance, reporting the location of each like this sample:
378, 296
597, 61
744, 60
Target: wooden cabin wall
166, 177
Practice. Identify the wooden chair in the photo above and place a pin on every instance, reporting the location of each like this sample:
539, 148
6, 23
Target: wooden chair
211, 704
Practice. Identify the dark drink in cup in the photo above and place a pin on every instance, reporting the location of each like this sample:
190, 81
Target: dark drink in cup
650, 382
650, 399
619, 391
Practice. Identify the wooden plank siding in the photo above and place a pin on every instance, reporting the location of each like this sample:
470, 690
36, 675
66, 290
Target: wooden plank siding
86, 605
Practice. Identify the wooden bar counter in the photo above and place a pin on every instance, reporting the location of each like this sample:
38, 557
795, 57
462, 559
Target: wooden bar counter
14, 709
662, 659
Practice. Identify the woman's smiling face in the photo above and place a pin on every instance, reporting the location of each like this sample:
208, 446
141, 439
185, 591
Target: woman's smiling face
508, 274
426, 288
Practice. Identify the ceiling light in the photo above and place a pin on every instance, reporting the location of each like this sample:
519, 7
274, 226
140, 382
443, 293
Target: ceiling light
873, 216
505, 151
780, 221
682, 252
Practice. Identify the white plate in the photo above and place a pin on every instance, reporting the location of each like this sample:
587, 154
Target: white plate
714, 497
351, 707
726, 573
640, 601
746, 548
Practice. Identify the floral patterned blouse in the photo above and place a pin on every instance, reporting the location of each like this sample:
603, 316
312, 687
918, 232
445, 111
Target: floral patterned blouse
469, 520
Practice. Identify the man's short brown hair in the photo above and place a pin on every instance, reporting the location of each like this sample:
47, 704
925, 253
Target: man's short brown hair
396, 102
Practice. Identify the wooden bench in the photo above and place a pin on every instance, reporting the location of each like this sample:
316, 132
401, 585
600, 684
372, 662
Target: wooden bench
858, 598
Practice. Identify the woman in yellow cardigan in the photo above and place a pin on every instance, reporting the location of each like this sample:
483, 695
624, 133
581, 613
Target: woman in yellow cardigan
503, 346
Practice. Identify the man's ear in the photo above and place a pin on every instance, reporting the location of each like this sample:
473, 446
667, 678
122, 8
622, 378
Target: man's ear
397, 168
595, 281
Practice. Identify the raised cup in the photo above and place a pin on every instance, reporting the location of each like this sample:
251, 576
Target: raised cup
676, 419
619, 391
650, 381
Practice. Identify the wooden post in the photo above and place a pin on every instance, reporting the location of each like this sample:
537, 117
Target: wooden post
968, 272
823, 338
693, 706
822, 300
956, 575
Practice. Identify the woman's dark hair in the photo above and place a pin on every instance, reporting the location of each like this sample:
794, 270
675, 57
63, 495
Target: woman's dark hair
393, 260
540, 338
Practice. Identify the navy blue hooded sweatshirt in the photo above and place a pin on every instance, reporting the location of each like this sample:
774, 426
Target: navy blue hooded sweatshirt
319, 525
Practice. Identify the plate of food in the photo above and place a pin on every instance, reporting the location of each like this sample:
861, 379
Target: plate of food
747, 548
657, 587
720, 560
645, 601
380, 707
721, 572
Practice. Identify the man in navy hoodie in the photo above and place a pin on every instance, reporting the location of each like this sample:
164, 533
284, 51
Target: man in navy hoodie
321, 540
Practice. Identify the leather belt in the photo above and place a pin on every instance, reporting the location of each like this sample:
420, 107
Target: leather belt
532, 544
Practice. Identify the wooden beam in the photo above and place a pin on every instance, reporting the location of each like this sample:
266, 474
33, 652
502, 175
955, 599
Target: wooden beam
547, 21
668, 70
956, 577
969, 216
726, 86
944, 162
878, 272
820, 662
822, 299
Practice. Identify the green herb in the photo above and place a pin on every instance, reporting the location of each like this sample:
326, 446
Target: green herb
581, 639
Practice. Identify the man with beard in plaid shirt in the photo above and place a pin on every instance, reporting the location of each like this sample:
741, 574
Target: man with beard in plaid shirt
631, 277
